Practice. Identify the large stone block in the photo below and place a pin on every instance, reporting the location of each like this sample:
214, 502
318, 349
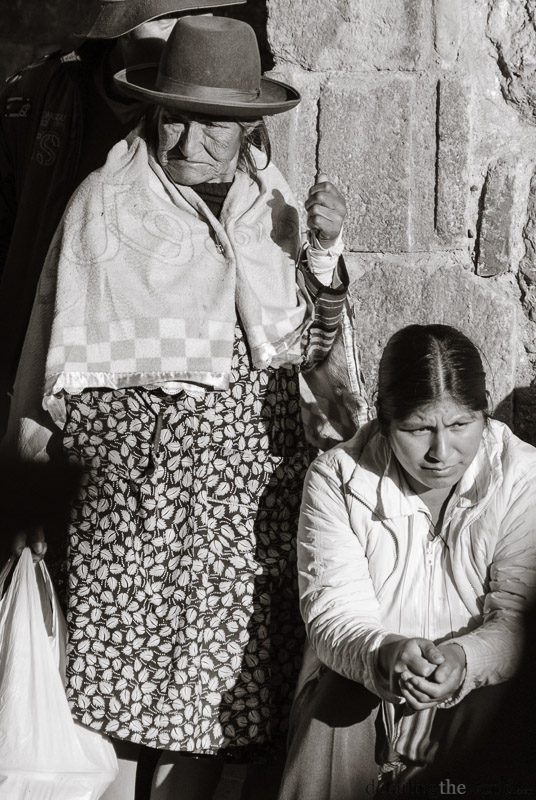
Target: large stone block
498, 210
377, 135
448, 29
294, 134
365, 140
350, 34
453, 146
390, 296
512, 29
358, 264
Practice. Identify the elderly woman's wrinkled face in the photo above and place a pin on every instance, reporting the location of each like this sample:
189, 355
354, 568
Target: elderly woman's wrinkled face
437, 443
198, 149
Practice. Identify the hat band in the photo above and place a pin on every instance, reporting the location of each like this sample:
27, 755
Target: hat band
167, 84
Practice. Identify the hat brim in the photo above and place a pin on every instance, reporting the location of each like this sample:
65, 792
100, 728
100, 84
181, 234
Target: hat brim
275, 97
109, 24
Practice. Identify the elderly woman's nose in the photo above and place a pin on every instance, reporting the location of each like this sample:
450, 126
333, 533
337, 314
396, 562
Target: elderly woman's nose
191, 138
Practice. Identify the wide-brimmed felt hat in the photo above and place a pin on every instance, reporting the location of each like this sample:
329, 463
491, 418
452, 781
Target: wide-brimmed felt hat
108, 19
209, 65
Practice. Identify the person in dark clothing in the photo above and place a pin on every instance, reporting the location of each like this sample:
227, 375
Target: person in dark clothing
59, 117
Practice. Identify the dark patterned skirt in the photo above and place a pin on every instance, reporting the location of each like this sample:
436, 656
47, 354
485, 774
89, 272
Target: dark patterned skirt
184, 627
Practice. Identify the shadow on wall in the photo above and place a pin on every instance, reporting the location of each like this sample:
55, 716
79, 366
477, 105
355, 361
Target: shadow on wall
254, 13
519, 405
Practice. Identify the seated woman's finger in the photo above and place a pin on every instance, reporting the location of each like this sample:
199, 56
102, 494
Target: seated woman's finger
418, 688
443, 672
432, 653
416, 703
419, 665
435, 692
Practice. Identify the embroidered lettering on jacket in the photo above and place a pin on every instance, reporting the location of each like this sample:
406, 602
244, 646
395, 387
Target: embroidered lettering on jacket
49, 138
17, 107
49, 144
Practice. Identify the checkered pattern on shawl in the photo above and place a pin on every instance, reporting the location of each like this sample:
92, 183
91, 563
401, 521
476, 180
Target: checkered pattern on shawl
146, 292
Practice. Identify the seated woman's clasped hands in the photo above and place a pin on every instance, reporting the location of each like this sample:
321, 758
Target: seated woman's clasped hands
422, 673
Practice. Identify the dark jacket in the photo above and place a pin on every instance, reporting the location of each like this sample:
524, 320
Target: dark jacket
55, 128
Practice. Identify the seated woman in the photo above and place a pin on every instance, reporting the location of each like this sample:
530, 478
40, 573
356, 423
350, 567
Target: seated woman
416, 558
175, 311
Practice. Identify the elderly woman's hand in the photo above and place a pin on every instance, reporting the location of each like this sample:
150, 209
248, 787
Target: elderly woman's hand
326, 210
440, 686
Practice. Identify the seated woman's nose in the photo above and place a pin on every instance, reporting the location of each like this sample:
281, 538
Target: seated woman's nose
439, 448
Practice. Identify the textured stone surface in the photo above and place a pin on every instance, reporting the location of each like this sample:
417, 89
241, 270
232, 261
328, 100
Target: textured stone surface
423, 158
494, 248
365, 141
358, 264
350, 34
448, 29
378, 136
294, 134
527, 267
453, 143
512, 29
390, 296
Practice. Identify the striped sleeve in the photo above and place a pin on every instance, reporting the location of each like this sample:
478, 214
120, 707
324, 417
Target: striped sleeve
328, 305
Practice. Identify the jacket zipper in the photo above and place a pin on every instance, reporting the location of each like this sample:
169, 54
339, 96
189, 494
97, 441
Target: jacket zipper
392, 533
429, 576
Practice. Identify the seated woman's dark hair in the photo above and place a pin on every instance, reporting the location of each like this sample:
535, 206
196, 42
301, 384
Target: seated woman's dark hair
420, 363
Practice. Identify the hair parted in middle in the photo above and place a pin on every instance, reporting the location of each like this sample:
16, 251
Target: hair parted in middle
420, 364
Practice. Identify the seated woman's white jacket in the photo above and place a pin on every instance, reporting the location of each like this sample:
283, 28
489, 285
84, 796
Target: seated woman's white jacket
363, 556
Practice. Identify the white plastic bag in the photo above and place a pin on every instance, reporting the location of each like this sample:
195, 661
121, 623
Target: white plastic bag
44, 754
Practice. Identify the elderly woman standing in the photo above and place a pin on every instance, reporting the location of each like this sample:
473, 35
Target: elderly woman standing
176, 308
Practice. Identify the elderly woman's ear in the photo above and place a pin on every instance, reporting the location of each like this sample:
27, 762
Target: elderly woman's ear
250, 126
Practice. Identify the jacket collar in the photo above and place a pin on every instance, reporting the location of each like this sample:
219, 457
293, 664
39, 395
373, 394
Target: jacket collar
379, 481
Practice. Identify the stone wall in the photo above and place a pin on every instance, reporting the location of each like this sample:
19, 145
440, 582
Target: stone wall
423, 112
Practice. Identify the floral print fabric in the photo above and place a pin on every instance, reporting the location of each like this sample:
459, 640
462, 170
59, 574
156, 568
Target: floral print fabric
184, 628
